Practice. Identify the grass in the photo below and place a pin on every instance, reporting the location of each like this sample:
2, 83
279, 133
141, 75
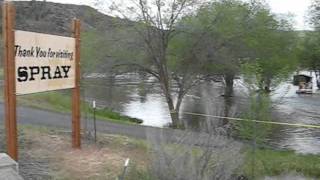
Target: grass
46, 153
53, 101
1, 73
269, 162
61, 102
115, 116
115, 149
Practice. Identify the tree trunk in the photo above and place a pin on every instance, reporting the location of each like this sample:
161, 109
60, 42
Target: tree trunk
166, 90
174, 114
267, 87
318, 78
227, 107
229, 78
175, 119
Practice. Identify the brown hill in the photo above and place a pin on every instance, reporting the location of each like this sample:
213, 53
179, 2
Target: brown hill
105, 34
55, 18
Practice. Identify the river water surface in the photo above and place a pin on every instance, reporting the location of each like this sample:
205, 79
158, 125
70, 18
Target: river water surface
140, 97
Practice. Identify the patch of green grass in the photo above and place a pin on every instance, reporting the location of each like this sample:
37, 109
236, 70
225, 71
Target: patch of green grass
273, 163
61, 102
107, 113
1, 73
53, 101
40, 129
135, 173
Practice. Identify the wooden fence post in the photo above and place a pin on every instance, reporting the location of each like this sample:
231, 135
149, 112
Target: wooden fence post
9, 79
76, 123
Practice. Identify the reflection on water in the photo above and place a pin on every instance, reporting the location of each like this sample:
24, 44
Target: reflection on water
140, 96
152, 110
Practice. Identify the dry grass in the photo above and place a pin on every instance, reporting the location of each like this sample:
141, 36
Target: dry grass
47, 154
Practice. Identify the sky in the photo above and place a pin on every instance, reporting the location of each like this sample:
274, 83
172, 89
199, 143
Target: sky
296, 7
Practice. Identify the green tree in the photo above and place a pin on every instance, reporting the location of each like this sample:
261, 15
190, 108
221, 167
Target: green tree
225, 27
273, 58
310, 52
274, 45
314, 14
155, 23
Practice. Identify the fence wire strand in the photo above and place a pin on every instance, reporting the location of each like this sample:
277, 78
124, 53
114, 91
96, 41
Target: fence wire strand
253, 120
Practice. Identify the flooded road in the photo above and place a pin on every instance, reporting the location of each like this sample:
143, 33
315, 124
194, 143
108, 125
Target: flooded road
140, 97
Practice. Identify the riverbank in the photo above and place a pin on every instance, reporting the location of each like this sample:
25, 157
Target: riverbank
268, 162
46, 153
61, 102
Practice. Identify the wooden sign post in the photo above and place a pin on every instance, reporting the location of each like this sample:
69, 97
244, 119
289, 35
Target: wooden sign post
36, 62
10, 110
76, 135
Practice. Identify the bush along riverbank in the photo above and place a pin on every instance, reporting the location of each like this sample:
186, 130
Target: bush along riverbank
61, 102
267, 162
259, 109
263, 161
111, 151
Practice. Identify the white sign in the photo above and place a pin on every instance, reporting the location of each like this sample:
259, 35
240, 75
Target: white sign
43, 62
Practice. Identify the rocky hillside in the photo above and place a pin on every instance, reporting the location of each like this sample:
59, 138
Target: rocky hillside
55, 18
102, 37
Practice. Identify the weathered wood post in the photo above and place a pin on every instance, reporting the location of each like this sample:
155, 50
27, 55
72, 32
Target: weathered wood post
76, 127
10, 111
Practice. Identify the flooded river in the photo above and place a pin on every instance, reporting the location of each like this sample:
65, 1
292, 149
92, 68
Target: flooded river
299, 109
140, 97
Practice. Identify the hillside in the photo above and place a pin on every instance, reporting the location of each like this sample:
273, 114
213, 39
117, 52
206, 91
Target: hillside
102, 35
55, 18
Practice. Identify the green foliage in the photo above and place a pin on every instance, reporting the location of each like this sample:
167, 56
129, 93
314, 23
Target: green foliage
274, 46
102, 51
109, 114
134, 173
273, 163
224, 30
310, 53
310, 50
92, 50
314, 14
259, 110
227, 34
252, 75
257, 74
184, 54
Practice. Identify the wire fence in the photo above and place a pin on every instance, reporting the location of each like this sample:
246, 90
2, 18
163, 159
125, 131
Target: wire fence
257, 121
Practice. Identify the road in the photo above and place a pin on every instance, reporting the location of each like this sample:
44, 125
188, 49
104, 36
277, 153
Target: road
31, 116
